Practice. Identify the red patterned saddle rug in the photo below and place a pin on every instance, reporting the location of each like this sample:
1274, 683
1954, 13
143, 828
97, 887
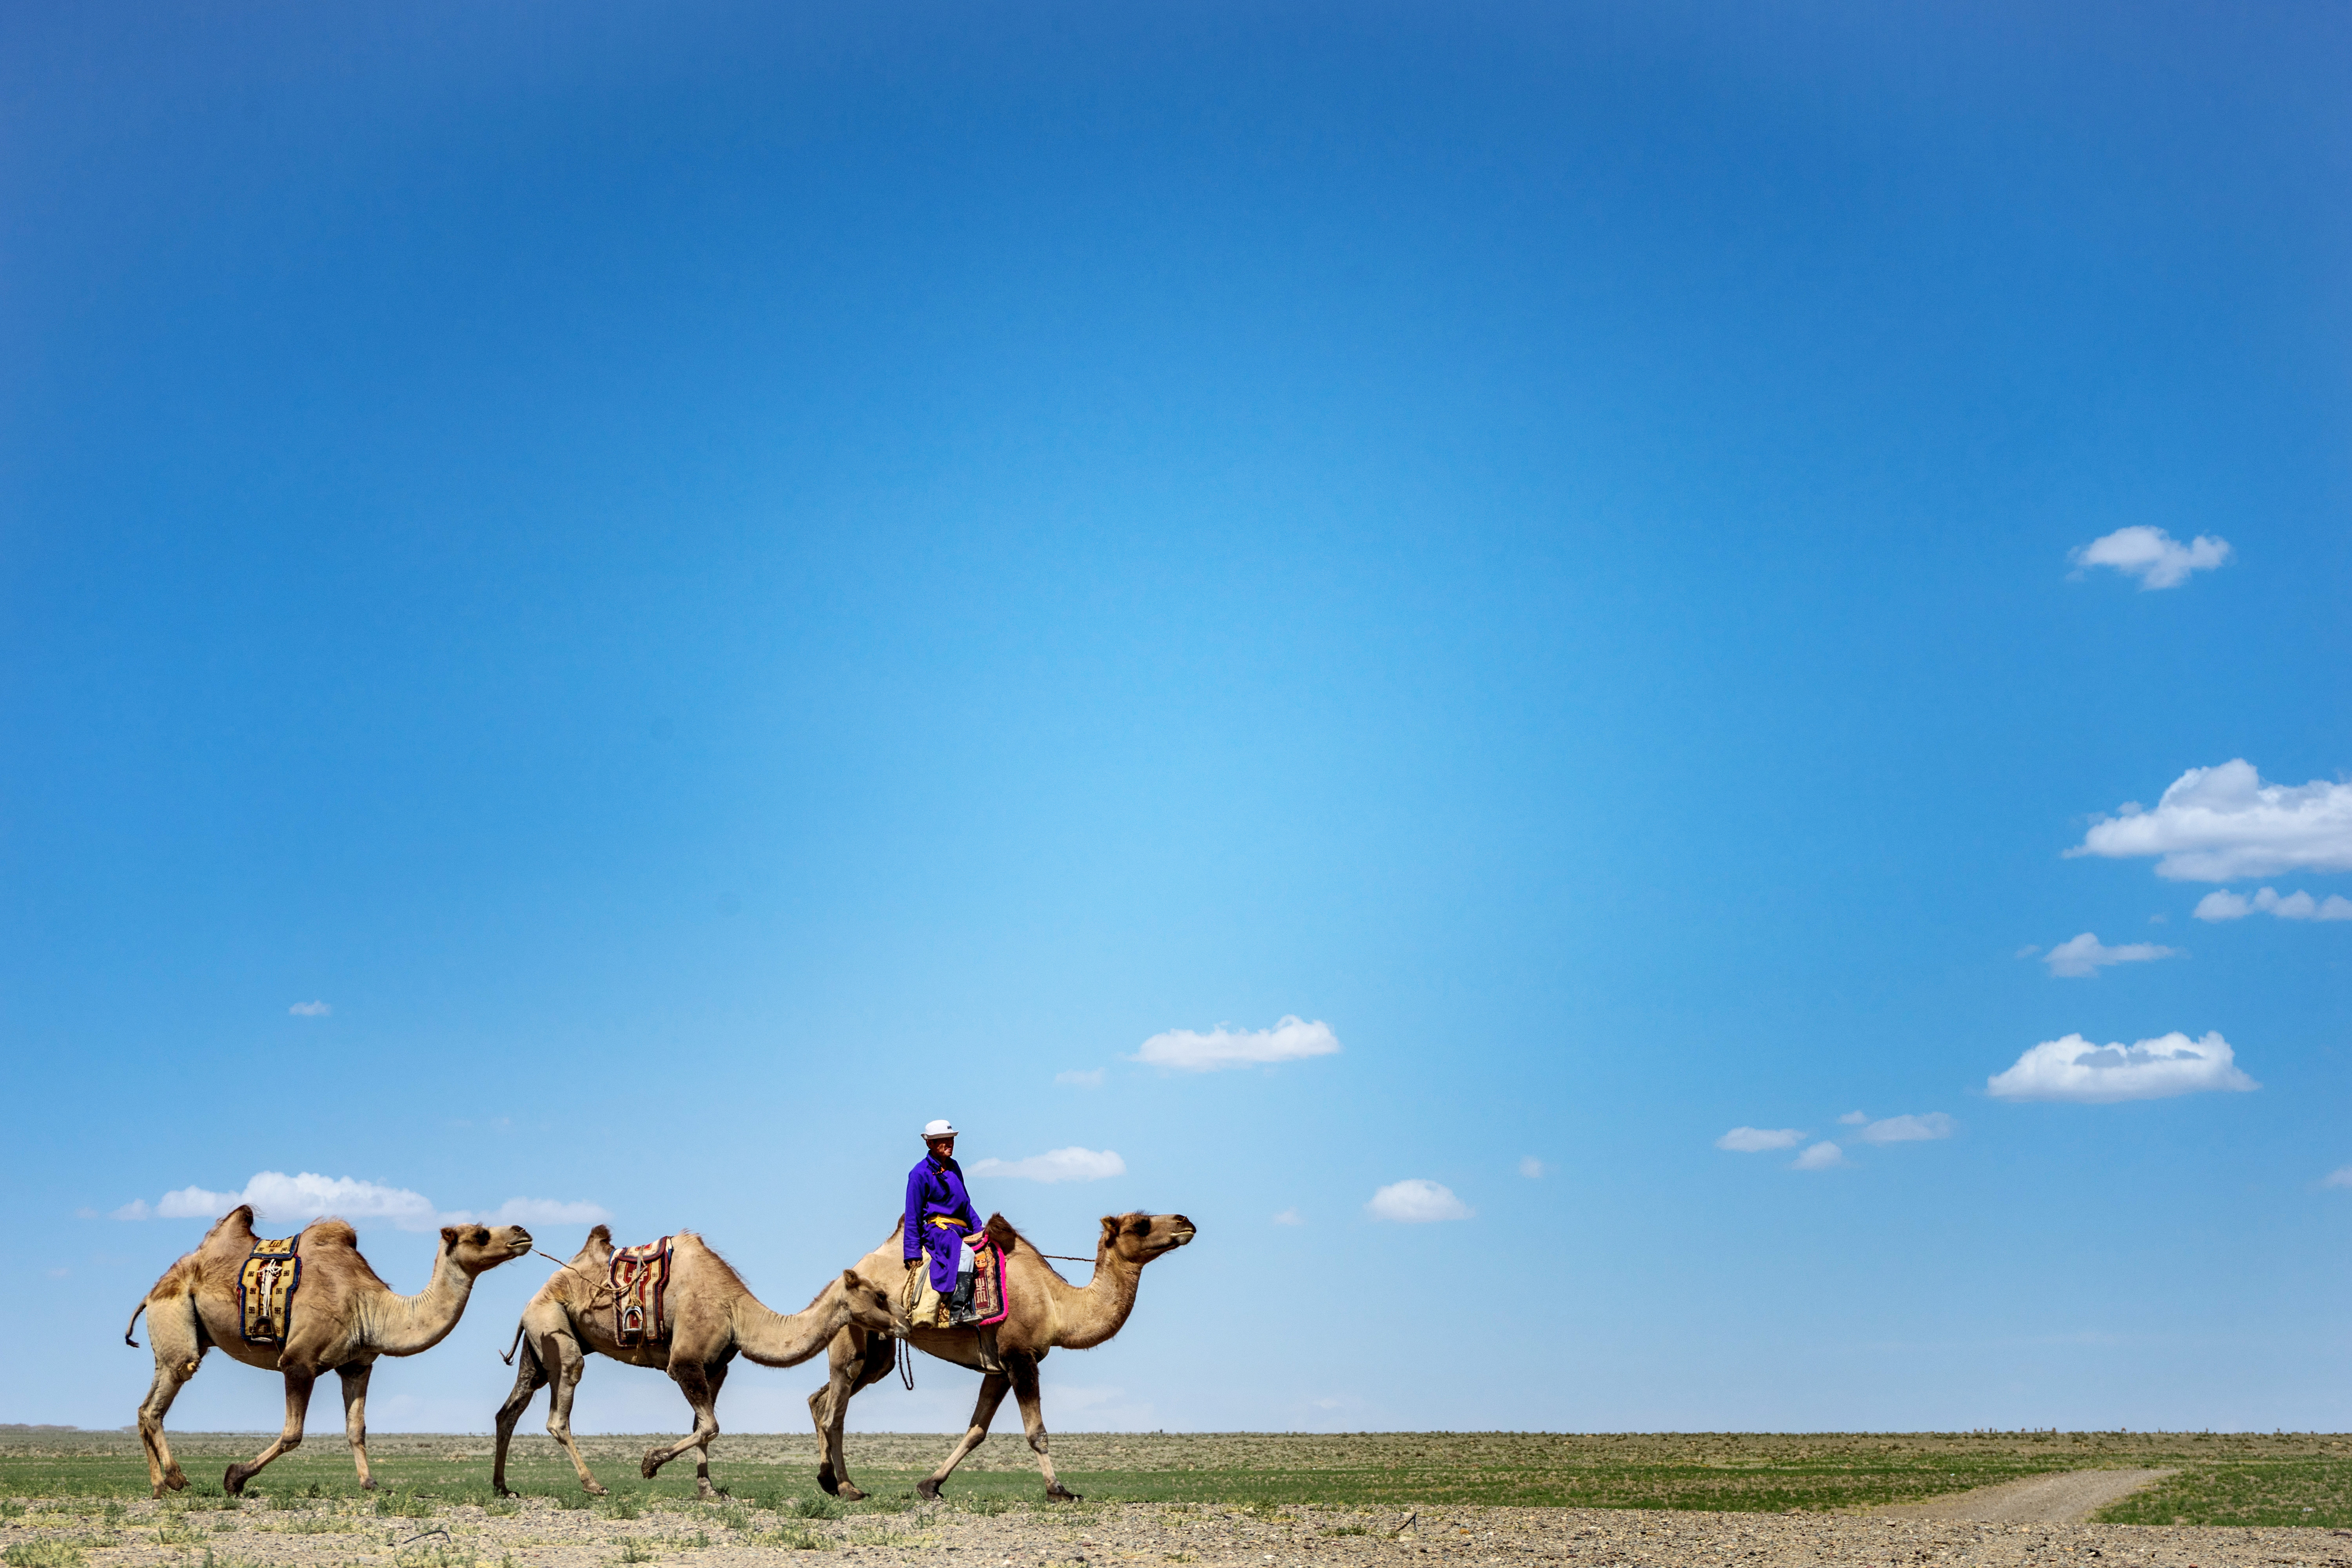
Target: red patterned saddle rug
265, 1290
640, 1274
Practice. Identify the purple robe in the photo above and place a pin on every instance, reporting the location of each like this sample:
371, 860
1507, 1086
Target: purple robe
935, 1188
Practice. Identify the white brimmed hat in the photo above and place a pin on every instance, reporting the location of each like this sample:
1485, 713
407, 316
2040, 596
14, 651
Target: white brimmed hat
937, 1129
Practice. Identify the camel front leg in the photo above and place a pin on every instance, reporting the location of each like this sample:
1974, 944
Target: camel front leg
172, 1330
1024, 1371
693, 1380
530, 1376
992, 1394
354, 1378
298, 1405
717, 1377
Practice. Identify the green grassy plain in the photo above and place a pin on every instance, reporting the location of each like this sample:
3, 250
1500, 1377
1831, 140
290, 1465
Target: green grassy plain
2226, 1479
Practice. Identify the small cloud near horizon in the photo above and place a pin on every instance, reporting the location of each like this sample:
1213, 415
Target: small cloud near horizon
1090, 1078
1190, 1050
1922, 1128
1821, 1156
2339, 1177
277, 1198
1417, 1202
2223, 824
2297, 905
1532, 1168
310, 1009
2081, 957
2152, 555
2073, 1068
1071, 1164
1757, 1140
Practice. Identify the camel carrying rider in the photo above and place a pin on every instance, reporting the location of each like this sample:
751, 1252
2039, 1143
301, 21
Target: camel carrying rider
939, 1225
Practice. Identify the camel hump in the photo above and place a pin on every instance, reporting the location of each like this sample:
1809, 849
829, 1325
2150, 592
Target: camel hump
329, 1232
238, 1221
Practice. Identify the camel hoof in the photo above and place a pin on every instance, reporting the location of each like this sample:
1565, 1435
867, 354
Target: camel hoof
849, 1493
506, 1490
593, 1490
1058, 1492
928, 1490
652, 1464
174, 1481
826, 1484
232, 1483
368, 1485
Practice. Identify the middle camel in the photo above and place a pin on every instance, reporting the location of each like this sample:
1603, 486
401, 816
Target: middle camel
708, 1316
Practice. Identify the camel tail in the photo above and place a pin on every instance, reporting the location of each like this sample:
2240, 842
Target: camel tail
132, 1324
508, 1357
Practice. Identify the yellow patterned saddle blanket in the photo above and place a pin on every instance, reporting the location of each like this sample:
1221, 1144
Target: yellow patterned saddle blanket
265, 1290
640, 1274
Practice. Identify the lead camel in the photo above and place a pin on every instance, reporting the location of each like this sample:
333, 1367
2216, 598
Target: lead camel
1046, 1312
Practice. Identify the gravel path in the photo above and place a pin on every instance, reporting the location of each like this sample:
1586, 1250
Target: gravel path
2070, 1497
540, 1535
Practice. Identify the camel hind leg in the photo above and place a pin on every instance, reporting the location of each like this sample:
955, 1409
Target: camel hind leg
530, 1378
983, 1411
179, 1346
855, 1360
561, 1354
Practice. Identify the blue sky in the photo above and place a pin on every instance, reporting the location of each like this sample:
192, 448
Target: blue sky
610, 609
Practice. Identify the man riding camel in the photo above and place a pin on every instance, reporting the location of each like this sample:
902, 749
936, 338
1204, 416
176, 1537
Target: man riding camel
939, 1224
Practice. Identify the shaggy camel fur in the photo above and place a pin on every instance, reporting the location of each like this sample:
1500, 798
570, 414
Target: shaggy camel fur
710, 1315
1047, 1311
343, 1317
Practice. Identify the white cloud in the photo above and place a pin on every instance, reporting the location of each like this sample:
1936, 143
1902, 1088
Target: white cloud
1532, 1168
1092, 1079
1756, 1140
1854, 1118
310, 1009
1821, 1156
1189, 1050
1071, 1164
2221, 824
1290, 1216
280, 1199
2081, 957
2295, 906
2152, 555
1416, 1202
2339, 1177
1909, 1129
2073, 1068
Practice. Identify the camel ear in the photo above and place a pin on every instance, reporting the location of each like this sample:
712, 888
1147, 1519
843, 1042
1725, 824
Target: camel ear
1110, 1229
849, 1280
449, 1238
603, 1233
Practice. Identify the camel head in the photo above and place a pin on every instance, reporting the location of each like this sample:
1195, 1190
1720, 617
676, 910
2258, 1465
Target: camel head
477, 1247
1140, 1237
871, 1307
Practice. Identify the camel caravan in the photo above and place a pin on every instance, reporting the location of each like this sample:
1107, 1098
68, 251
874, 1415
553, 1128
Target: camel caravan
306, 1305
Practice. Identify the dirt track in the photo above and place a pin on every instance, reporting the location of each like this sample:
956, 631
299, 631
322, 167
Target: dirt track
943, 1536
2070, 1497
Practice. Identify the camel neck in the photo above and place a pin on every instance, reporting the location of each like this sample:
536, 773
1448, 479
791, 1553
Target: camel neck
1088, 1315
786, 1339
404, 1325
